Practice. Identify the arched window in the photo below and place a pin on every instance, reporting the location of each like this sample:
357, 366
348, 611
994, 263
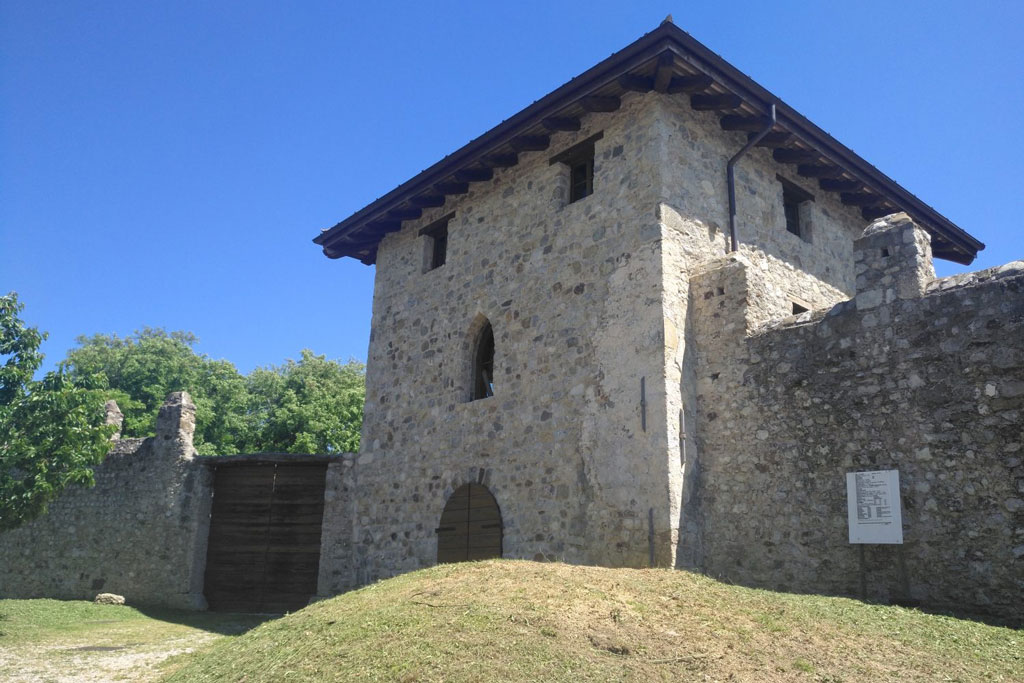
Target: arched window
483, 364
470, 527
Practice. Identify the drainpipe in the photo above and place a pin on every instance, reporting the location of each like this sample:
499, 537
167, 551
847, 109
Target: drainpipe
732, 177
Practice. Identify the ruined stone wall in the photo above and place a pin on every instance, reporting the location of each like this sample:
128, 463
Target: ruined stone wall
140, 532
923, 376
572, 291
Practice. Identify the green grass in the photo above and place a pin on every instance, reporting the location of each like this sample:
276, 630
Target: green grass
523, 621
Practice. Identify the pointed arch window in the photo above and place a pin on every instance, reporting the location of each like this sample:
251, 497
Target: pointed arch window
483, 364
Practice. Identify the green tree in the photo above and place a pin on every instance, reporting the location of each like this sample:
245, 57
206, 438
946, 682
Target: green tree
314, 405
51, 431
138, 371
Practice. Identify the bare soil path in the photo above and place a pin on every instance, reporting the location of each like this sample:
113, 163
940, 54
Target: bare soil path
54, 641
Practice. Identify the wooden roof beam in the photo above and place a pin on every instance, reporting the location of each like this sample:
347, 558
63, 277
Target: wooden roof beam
561, 123
689, 84
787, 155
530, 143
775, 138
405, 214
860, 198
838, 184
715, 102
819, 170
636, 83
452, 188
871, 213
500, 160
663, 72
600, 103
385, 225
474, 175
427, 201
747, 123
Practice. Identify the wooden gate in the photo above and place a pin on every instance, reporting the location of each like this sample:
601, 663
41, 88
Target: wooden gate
470, 526
263, 553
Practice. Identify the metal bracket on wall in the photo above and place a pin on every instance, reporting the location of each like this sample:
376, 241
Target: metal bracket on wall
643, 403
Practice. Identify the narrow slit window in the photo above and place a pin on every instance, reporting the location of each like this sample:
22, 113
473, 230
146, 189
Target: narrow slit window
579, 159
792, 209
581, 179
439, 249
483, 364
437, 243
794, 200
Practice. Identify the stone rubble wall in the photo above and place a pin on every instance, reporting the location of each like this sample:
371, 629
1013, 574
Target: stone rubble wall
920, 375
139, 532
572, 292
338, 569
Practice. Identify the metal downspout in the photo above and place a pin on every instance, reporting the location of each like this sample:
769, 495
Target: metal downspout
732, 176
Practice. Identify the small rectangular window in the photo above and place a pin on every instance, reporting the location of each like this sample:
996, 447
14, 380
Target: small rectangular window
440, 247
792, 209
437, 243
580, 161
581, 179
793, 199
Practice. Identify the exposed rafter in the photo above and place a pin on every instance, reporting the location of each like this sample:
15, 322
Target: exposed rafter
786, 155
775, 138
427, 201
838, 184
860, 198
530, 143
689, 84
746, 123
474, 175
636, 83
500, 160
405, 214
600, 103
819, 171
452, 187
565, 123
663, 71
715, 102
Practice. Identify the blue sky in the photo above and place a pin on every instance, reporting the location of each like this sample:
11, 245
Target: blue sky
167, 163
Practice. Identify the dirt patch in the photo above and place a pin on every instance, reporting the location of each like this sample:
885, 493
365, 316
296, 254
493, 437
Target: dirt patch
93, 663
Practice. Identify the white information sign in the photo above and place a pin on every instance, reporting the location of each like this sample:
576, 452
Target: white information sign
873, 506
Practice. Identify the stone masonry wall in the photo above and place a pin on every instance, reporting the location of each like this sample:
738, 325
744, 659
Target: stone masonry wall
815, 269
572, 294
140, 532
924, 376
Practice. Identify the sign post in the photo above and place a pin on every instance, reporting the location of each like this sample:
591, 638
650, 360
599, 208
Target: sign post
874, 514
873, 507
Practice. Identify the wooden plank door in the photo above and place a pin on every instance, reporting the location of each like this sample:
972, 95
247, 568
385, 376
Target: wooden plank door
470, 527
293, 545
263, 553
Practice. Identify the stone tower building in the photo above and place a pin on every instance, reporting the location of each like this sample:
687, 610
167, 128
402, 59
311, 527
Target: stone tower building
654, 319
565, 317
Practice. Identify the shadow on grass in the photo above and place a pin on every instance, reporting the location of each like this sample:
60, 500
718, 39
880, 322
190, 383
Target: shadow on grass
963, 615
223, 623
943, 610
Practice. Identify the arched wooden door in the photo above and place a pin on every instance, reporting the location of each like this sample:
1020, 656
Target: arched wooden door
470, 527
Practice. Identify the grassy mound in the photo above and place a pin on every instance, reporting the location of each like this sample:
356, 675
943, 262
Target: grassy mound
512, 620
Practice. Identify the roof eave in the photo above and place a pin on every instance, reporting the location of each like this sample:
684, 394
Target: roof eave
337, 240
